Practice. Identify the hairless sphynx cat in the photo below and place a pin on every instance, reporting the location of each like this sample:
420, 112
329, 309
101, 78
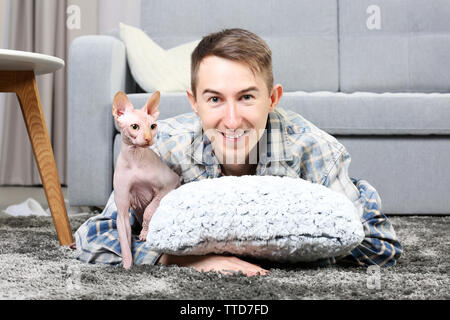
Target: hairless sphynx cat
141, 179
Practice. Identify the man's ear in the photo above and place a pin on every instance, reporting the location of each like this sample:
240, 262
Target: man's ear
275, 96
192, 100
151, 107
121, 104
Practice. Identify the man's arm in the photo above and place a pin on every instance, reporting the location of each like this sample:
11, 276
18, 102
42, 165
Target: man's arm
380, 245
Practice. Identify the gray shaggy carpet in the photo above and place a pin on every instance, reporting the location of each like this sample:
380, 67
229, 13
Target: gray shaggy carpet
34, 266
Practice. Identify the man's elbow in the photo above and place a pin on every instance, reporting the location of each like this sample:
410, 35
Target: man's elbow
394, 256
388, 255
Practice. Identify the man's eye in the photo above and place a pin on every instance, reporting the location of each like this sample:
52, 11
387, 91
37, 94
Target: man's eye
214, 99
246, 97
134, 126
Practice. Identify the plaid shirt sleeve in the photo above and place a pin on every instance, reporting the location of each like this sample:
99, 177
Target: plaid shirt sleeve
380, 245
97, 239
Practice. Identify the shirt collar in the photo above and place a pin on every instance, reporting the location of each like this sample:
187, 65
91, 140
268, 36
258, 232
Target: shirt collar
277, 143
201, 149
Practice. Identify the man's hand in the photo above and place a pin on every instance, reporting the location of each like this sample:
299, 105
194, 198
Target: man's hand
222, 264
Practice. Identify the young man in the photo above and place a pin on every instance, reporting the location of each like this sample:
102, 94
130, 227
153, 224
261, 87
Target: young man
236, 129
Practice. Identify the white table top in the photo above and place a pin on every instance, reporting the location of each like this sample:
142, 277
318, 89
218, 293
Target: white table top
13, 60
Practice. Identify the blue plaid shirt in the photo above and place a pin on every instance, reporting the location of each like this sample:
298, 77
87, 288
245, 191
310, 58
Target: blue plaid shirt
293, 147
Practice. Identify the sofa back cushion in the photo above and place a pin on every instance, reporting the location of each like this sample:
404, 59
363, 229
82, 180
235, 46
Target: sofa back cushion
301, 33
394, 46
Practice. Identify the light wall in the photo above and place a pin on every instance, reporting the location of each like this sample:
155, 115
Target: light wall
111, 12
2, 9
2, 95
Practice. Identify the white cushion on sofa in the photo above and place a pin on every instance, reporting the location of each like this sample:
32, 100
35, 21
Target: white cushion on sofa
276, 218
154, 68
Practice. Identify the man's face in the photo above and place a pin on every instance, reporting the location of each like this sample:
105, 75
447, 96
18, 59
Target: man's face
233, 104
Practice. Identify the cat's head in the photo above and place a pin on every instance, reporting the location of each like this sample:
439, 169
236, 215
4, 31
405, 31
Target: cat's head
137, 126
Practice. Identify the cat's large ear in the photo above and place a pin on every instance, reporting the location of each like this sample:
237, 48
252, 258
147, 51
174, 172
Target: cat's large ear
121, 104
151, 107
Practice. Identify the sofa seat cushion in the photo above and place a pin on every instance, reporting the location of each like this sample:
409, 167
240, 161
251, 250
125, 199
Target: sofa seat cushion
364, 113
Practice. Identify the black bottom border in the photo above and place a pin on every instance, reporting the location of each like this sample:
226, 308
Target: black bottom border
224, 309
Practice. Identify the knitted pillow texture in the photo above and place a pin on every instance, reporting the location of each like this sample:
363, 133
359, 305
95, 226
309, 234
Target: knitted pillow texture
281, 219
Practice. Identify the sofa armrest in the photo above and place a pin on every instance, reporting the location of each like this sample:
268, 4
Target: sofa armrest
97, 69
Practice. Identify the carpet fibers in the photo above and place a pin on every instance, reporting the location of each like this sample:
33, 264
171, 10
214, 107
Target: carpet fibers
34, 266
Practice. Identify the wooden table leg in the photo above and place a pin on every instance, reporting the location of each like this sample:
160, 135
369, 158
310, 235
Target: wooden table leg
30, 103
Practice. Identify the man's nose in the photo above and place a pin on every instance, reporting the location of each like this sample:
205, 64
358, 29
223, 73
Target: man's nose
232, 119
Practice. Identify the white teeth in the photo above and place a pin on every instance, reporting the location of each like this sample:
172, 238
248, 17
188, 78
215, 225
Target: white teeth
235, 136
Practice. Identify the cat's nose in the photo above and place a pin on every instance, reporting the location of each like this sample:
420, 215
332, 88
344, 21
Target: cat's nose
147, 136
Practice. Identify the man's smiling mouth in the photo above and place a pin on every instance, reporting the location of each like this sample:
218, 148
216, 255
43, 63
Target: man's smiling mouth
233, 135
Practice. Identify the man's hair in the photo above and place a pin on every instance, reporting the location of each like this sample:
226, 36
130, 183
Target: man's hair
237, 45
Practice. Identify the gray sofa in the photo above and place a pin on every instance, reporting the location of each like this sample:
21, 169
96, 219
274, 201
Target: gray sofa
374, 74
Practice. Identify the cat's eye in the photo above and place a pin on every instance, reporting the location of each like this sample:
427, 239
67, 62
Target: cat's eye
153, 126
134, 126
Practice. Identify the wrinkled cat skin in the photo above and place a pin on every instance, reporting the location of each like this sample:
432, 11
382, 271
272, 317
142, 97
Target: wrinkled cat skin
141, 179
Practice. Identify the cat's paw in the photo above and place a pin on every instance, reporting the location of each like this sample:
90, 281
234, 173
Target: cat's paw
143, 235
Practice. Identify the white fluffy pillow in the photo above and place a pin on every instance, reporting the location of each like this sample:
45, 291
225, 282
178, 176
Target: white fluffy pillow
154, 68
276, 218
